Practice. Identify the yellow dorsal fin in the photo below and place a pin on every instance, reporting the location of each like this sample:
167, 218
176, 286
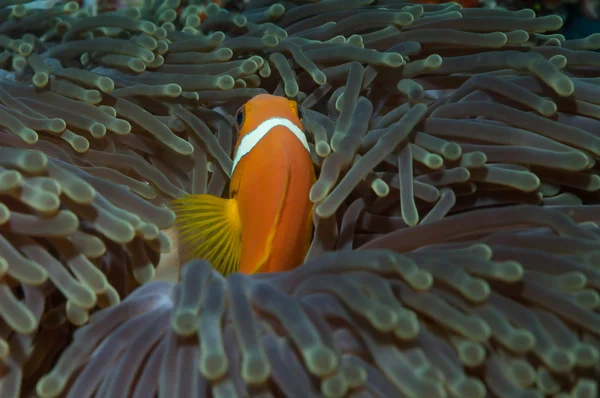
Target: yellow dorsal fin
209, 227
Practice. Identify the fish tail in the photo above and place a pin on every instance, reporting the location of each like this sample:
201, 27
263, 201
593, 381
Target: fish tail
209, 227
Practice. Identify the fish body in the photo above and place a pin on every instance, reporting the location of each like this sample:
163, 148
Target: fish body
265, 225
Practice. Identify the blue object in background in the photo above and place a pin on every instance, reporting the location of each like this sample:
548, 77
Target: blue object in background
578, 25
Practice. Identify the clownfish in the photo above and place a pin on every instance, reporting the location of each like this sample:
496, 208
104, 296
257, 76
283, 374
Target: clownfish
202, 8
266, 224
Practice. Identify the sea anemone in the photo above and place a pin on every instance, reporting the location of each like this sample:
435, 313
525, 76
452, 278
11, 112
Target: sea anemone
456, 249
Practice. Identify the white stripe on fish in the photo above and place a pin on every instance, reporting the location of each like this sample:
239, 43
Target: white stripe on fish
251, 139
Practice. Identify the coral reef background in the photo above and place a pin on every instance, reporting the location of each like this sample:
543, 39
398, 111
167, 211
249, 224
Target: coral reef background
456, 250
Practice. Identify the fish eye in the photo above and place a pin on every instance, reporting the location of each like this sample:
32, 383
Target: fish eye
239, 117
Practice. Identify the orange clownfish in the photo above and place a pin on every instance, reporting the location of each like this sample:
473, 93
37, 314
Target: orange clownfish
266, 224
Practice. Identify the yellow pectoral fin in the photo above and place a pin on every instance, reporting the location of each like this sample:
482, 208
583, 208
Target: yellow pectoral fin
209, 227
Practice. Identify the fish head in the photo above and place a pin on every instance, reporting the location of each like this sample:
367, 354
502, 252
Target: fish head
253, 116
264, 107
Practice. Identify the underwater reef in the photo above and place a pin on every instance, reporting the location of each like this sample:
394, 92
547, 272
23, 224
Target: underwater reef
456, 250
